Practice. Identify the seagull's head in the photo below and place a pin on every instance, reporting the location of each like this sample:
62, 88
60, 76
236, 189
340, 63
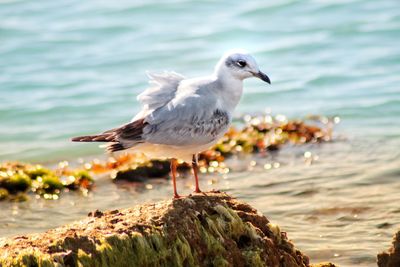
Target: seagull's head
240, 65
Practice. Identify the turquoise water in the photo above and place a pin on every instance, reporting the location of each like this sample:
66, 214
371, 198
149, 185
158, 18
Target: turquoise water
75, 67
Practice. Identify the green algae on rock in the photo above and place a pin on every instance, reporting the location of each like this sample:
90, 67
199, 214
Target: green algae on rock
18, 178
209, 229
391, 258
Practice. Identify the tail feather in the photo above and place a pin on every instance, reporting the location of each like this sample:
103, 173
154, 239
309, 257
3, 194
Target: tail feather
104, 137
119, 138
114, 147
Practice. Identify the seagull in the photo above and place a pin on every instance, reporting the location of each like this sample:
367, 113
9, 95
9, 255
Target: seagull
182, 117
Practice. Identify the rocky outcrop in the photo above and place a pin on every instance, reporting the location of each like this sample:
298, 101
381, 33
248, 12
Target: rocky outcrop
391, 258
211, 229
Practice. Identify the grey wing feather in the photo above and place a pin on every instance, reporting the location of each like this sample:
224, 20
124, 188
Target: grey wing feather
194, 121
163, 89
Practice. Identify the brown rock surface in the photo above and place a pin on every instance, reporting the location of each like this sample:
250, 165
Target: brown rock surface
213, 229
391, 258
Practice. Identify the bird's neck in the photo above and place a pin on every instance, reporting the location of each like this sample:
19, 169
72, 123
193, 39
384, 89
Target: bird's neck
231, 90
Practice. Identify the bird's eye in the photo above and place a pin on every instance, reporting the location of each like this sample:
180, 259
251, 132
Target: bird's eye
241, 63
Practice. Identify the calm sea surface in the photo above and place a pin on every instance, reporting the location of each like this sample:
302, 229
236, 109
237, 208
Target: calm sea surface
75, 67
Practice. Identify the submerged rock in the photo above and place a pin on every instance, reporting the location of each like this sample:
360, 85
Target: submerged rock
141, 173
391, 258
17, 178
200, 230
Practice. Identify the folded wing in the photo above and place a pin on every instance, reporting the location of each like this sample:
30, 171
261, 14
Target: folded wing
192, 121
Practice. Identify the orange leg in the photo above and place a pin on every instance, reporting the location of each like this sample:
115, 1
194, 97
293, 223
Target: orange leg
195, 170
173, 174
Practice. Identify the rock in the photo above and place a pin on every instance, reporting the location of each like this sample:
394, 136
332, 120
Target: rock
17, 178
213, 229
324, 264
391, 258
149, 170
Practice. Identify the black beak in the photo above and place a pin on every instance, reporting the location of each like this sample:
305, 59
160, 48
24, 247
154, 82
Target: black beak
263, 77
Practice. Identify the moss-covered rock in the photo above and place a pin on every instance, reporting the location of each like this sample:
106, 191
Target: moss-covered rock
16, 178
80, 179
16, 182
50, 184
140, 173
37, 171
391, 258
200, 230
3, 193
